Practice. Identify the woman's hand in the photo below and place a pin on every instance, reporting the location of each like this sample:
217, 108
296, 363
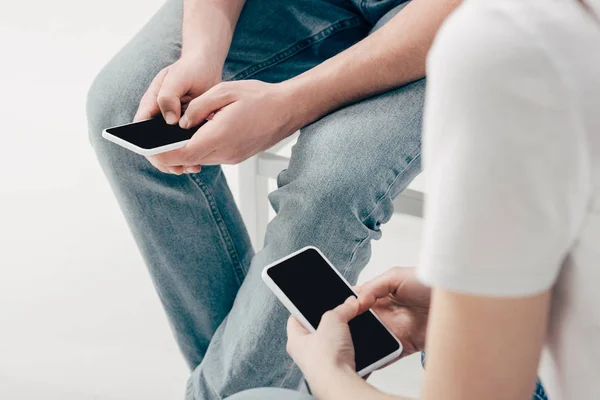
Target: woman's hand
402, 303
246, 117
328, 352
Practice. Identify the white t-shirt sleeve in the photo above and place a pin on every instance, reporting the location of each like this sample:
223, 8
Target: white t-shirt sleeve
504, 158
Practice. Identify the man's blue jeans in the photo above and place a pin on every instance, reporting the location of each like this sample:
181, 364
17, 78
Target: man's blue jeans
336, 193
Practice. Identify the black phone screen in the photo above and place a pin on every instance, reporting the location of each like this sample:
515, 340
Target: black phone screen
152, 133
315, 288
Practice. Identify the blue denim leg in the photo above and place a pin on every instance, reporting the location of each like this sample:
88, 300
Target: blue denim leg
270, 394
188, 228
336, 194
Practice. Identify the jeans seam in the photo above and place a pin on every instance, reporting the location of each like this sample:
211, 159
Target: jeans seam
377, 203
297, 47
192, 387
222, 228
365, 10
189, 392
292, 366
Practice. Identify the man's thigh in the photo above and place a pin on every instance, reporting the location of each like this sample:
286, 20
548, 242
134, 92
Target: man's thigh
270, 394
352, 163
276, 40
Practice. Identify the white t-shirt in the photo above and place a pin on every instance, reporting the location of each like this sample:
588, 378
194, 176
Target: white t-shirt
512, 157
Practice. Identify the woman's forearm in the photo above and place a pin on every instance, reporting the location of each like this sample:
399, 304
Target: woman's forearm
208, 27
389, 58
347, 385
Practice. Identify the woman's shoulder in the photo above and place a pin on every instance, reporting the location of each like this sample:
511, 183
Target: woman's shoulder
488, 38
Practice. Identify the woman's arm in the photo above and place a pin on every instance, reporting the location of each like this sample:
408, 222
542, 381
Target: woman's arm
477, 347
481, 347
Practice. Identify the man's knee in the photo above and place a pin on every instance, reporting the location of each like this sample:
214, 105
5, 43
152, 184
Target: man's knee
318, 209
110, 101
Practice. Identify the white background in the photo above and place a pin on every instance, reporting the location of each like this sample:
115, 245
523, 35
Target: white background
78, 315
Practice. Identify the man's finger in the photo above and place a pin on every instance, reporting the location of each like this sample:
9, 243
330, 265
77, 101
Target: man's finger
148, 107
201, 144
176, 170
169, 97
193, 170
206, 104
157, 165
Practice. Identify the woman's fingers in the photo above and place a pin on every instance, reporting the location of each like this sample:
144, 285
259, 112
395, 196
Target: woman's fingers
382, 286
345, 312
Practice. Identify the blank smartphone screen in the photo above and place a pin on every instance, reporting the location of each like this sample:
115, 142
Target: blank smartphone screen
152, 133
315, 288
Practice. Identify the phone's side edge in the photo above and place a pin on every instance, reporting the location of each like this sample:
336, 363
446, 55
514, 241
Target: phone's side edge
165, 148
139, 150
123, 143
382, 362
129, 123
387, 358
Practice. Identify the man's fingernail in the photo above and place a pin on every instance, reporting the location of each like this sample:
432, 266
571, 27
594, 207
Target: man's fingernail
183, 122
171, 118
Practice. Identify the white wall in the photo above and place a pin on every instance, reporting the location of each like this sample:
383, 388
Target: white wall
78, 315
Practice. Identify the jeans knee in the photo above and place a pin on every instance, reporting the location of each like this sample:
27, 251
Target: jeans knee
110, 102
313, 211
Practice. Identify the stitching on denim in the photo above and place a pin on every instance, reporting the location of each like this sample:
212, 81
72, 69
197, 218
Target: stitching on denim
296, 48
208, 385
189, 393
365, 10
222, 227
377, 204
291, 368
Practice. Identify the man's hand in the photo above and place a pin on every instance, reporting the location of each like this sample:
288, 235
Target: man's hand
245, 117
172, 90
177, 85
402, 303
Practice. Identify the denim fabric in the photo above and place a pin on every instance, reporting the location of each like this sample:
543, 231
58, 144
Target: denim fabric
271, 394
337, 192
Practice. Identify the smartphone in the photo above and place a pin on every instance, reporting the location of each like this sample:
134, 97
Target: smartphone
308, 285
149, 137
